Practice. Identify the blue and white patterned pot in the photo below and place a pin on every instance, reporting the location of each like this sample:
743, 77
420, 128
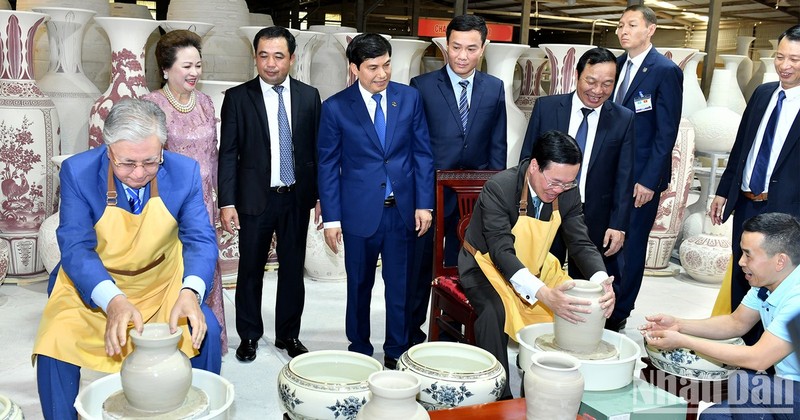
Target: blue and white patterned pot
690, 364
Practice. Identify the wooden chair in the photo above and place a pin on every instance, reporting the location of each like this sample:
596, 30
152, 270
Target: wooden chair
449, 305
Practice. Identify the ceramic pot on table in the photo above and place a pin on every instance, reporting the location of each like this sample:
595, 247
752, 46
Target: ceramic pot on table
394, 396
553, 387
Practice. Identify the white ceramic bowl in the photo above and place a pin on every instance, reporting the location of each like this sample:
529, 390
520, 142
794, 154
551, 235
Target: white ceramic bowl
326, 384
689, 364
599, 375
453, 374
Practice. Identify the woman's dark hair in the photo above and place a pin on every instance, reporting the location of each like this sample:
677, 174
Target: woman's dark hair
169, 44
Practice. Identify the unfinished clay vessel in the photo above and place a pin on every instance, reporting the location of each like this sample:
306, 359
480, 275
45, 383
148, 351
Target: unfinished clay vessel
582, 337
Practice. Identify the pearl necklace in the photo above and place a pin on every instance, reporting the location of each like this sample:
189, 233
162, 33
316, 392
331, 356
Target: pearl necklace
176, 104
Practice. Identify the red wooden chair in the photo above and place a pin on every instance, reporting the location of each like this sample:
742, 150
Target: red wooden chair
449, 305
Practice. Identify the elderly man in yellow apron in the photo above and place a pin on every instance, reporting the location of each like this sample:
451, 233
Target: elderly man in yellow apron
136, 247
505, 266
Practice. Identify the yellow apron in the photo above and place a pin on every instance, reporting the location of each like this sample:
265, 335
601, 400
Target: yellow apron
533, 238
722, 306
143, 255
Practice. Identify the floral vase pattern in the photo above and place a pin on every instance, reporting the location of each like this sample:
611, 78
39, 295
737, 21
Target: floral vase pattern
128, 36
307, 44
501, 60
29, 137
563, 60
705, 257
533, 64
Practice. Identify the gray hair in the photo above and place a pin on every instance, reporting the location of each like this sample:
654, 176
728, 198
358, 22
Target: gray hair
134, 120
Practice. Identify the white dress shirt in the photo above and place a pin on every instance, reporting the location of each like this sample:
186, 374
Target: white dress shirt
575, 118
454, 79
636, 64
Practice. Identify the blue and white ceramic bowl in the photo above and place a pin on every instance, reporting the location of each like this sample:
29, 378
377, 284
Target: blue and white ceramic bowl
690, 364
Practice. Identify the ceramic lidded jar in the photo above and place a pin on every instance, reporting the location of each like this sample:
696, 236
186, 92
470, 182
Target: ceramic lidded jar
582, 337
156, 376
394, 396
553, 387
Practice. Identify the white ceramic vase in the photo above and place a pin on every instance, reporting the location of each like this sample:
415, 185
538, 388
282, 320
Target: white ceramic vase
758, 73
745, 71
695, 221
394, 396
732, 64
533, 63
722, 92
563, 59
705, 257
307, 43
29, 137
65, 83
582, 337
770, 74
321, 263
693, 97
453, 374
200, 28
501, 60
553, 387
156, 376
406, 56
715, 128
329, 64
672, 201
248, 33
128, 36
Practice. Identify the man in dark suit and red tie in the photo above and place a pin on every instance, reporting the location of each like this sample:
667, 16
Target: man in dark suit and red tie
762, 170
268, 183
376, 188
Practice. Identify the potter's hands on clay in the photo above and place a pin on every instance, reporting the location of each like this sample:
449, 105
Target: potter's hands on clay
609, 299
563, 305
229, 218
641, 195
187, 307
423, 219
715, 212
333, 237
613, 240
119, 314
318, 216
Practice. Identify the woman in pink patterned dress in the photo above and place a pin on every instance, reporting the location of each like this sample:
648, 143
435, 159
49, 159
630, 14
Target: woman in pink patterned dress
191, 128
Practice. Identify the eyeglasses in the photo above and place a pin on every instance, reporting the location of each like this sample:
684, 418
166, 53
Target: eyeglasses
149, 165
564, 186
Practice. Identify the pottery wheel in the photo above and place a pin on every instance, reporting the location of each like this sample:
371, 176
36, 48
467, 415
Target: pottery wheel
604, 350
116, 407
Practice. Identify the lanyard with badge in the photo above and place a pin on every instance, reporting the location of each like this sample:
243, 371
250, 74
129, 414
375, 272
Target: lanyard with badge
642, 102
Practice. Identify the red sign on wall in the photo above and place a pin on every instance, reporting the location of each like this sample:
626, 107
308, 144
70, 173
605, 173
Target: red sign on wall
438, 27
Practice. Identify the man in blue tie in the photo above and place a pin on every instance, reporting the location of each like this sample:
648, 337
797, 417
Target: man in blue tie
761, 175
376, 188
770, 246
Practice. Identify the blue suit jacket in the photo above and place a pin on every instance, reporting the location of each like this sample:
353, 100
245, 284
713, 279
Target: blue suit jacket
784, 191
353, 165
84, 182
609, 186
656, 129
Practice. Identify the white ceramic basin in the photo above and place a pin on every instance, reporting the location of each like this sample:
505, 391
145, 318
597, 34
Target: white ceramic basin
688, 364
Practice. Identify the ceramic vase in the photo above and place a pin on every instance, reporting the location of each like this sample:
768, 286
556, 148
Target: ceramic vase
49, 252
693, 97
553, 387
705, 257
732, 64
679, 56
501, 60
758, 73
96, 51
5, 252
307, 44
65, 82
156, 376
29, 137
563, 58
695, 221
394, 396
200, 28
533, 63
453, 374
128, 38
226, 55
770, 74
721, 92
583, 337
248, 33
745, 71
137, 11
683, 57
329, 64
321, 263
406, 54
715, 128
672, 201
9, 410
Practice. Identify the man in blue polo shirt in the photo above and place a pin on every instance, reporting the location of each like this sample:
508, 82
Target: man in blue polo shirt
771, 254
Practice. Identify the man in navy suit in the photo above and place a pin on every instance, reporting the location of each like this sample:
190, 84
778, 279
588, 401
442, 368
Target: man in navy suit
651, 86
466, 114
742, 191
606, 175
376, 188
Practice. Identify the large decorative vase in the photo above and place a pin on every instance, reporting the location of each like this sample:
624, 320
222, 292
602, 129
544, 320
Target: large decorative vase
29, 137
453, 374
770, 74
715, 128
329, 65
563, 59
406, 54
128, 38
746, 67
156, 376
553, 386
307, 43
721, 93
394, 397
693, 97
695, 219
679, 56
582, 337
96, 53
532, 62
200, 28
49, 252
758, 73
501, 60
705, 257
65, 83
226, 55
321, 263
139, 11
732, 64
672, 202
326, 384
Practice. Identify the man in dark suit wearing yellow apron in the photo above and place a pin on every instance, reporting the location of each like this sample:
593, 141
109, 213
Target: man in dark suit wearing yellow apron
505, 266
136, 247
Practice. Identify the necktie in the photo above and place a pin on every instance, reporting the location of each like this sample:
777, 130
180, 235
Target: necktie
380, 129
623, 88
134, 200
758, 177
762, 294
583, 129
463, 105
537, 204
284, 140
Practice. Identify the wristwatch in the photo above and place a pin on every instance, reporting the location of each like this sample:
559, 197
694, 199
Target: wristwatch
199, 302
